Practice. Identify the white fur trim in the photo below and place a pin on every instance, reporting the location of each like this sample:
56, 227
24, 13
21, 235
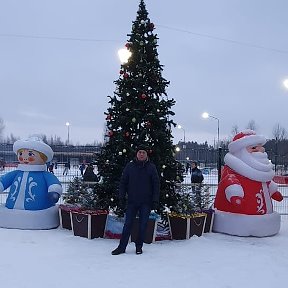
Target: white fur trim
245, 142
234, 190
29, 168
55, 188
273, 187
34, 144
29, 219
1, 187
246, 225
243, 169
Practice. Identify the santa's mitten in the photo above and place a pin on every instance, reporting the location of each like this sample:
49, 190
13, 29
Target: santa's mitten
234, 194
236, 200
53, 197
277, 196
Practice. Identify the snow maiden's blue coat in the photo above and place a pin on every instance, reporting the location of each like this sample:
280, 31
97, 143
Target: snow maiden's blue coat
28, 205
29, 187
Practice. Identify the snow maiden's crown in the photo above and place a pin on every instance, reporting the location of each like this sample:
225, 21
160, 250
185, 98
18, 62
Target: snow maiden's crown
36, 144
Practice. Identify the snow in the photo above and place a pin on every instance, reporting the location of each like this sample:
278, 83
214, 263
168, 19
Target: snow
57, 258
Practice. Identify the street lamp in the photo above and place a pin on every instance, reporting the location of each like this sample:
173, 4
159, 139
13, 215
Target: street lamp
124, 55
184, 145
207, 115
180, 127
67, 124
285, 83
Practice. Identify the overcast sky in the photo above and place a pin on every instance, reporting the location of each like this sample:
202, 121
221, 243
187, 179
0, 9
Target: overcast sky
58, 61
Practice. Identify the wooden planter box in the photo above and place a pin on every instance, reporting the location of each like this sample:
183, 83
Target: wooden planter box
65, 216
209, 220
184, 228
88, 225
150, 232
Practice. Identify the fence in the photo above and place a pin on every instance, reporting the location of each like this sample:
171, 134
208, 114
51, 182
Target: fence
76, 155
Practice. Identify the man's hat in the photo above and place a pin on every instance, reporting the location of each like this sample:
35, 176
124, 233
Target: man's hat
142, 147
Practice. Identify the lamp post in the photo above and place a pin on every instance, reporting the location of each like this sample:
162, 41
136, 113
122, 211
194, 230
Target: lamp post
184, 145
285, 83
207, 115
68, 125
180, 127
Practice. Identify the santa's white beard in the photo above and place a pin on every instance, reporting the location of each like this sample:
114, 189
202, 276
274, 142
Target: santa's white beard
256, 160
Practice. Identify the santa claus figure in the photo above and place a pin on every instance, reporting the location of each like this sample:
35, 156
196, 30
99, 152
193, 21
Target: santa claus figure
243, 204
33, 191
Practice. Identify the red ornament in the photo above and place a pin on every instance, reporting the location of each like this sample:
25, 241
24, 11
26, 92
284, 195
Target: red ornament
143, 96
126, 75
110, 133
127, 134
108, 117
121, 72
127, 45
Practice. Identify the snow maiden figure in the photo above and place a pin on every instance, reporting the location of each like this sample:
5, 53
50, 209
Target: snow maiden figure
33, 191
243, 204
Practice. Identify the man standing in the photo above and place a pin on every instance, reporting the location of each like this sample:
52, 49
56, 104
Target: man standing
140, 182
196, 181
196, 174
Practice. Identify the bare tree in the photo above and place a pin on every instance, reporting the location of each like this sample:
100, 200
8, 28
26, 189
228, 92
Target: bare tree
279, 132
11, 138
251, 125
235, 130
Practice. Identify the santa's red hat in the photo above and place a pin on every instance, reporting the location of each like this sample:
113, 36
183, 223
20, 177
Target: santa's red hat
244, 139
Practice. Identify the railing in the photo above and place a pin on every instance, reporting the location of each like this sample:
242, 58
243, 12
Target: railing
280, 207
210, 179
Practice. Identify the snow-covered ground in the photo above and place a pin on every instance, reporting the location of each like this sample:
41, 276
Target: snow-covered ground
56, 258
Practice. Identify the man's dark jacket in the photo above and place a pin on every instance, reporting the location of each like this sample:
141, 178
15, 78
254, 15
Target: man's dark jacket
196, 175
140, 181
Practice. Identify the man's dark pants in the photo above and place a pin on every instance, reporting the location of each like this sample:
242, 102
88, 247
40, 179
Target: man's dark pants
131, 212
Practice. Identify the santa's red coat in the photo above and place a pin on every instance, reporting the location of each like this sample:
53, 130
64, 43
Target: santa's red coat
256, 199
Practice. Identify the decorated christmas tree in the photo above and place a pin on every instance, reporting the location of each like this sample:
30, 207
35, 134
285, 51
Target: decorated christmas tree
140, 113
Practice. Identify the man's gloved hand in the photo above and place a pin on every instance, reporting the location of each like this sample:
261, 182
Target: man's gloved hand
155, 205
53, 197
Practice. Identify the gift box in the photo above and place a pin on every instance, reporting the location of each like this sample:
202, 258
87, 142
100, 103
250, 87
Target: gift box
150, 232
65, 215
185, 227
89, 225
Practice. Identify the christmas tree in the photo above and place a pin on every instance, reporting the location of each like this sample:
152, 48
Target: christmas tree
140, 113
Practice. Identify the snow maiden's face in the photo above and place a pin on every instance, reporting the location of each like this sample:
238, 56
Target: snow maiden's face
30, 157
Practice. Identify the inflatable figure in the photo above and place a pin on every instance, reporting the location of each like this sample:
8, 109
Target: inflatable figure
243, 204
33, 191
